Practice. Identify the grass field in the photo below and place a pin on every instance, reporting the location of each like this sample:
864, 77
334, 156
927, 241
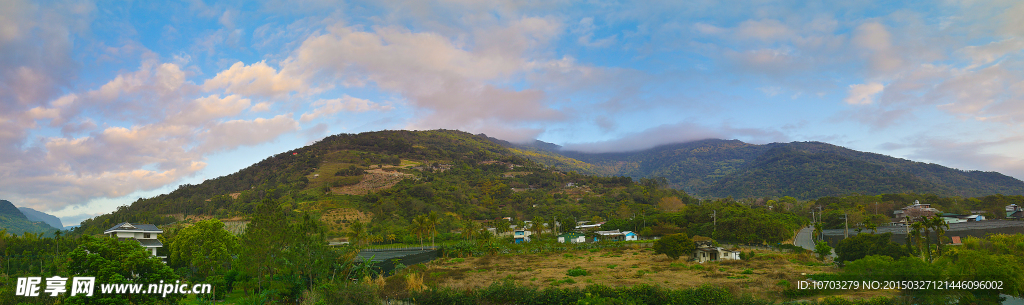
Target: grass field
765, 276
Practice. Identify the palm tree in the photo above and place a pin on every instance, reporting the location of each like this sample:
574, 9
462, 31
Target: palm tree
432, 222
915, 231
926, 230
537, 226
420, 227
357, 233
470, 228
501, 226
939, 226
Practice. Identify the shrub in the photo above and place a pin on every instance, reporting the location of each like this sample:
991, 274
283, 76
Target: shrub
576, 272
749, 255
747, 271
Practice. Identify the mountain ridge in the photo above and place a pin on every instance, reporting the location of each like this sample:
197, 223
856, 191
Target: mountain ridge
15, 222
720, 168
34, 215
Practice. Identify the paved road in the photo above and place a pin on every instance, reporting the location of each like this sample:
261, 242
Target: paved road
803, 239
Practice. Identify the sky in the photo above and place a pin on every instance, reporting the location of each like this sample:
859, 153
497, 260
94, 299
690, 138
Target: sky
105, 102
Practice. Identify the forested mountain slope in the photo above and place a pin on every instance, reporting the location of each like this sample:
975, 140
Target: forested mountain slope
14, 222
807, 170
34, 215
390, 177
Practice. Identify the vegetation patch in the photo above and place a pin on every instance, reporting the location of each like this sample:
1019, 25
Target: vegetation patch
576, 272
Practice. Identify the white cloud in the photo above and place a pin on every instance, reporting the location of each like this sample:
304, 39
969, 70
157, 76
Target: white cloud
764, 30
452, 84
210, 108
345, 103
257, 79
863, 94
875, 39
986, 54
585, 29
236, 133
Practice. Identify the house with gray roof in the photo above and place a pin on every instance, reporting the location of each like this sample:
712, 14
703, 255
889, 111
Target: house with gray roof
145, 234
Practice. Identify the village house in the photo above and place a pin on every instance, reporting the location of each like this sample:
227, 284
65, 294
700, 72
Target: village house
521, 235
145, 234
615, 235
1014, 211
572, 237
707, 251
951, 218
915, 211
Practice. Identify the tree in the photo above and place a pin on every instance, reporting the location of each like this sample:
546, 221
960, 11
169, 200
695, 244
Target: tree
470, 228
501, 226
432, 222
674, 245
822, 249
205, 248
420, 226
670, 204
818, 228
263, 243
537, 226
915, 232
309, 251
863, 245
356, 233
112, 261
939, 226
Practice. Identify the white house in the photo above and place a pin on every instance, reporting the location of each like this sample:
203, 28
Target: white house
615, 235
145, 234
706, 251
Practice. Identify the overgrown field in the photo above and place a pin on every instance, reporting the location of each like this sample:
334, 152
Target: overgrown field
765, 276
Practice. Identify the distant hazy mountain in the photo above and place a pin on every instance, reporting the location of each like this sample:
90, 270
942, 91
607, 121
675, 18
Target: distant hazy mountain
808, 170
15, 222
34, 215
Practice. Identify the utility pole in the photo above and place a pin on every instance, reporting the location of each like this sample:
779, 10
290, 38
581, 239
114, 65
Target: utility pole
714, 216
846, 220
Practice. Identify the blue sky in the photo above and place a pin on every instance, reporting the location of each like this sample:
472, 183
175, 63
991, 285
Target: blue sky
105, 102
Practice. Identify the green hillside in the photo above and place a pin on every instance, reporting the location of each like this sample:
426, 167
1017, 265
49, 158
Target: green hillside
387, 178
807, 170
14, 222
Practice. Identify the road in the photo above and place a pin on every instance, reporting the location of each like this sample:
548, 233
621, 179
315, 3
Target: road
803, 239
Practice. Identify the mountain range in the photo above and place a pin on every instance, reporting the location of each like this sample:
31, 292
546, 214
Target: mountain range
806, 170
372, 168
